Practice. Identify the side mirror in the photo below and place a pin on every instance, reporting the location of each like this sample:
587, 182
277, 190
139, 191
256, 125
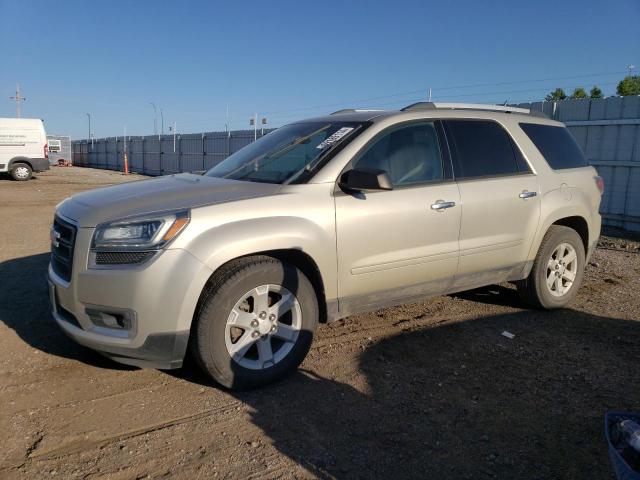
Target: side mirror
365, 179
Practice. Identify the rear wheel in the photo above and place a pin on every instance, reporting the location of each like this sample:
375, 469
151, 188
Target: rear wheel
21, 172
557, 270
255, 323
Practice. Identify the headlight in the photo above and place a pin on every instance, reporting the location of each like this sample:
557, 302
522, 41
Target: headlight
147, 233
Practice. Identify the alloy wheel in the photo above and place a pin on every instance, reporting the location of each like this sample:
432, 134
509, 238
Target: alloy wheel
263, 327
562, 268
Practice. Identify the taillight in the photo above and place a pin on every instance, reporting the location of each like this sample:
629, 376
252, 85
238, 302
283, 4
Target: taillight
46, 151
599, 183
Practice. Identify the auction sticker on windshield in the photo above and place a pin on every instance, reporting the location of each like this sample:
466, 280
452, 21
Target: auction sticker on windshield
335, 137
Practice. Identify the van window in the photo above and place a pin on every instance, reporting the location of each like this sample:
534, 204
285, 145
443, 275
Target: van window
482, 148
410, 154
556, 144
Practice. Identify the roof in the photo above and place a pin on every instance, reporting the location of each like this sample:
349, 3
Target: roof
356, 115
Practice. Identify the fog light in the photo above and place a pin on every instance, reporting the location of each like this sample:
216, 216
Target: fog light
117, 320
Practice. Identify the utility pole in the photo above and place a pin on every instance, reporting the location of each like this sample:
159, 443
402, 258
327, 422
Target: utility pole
155, 118
18, 98
161, 121
630, 68
429, 94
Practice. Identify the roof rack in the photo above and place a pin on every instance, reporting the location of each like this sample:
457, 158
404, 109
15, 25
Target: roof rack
471, 106
354, 110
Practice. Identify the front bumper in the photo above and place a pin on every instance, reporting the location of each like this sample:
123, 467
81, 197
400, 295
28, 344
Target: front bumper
161, 295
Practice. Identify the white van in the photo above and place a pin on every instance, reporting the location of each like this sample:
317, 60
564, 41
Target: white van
23, 147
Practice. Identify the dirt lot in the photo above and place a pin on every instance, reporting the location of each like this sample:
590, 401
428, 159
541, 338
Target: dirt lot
429, 390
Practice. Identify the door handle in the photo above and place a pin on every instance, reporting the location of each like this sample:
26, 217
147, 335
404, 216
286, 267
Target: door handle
441, 205
527, 194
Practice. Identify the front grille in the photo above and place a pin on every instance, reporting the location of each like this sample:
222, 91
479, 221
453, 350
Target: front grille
121, 258
63, 240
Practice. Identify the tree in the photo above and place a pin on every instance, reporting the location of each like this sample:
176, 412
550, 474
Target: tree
630, 85
556, 95
579, 92
595, 92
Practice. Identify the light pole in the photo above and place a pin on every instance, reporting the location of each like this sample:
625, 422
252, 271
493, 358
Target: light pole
254, 121
89, 137
155, 118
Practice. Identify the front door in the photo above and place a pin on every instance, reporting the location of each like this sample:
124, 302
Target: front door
400, 243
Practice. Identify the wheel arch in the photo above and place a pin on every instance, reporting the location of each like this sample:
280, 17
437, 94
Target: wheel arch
574, 218
300, 259
579, 224
15, 160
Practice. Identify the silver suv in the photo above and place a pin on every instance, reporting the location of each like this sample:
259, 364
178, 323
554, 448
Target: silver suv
318, 220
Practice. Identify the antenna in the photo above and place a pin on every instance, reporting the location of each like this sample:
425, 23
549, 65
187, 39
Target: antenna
18, 98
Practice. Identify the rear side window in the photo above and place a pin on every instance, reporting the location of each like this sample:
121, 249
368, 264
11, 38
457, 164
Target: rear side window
482, 149
556, 145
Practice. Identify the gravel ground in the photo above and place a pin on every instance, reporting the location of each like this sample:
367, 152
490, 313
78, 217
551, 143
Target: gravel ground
428, 390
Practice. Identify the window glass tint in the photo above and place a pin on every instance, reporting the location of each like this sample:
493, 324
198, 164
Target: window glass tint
523, 166
409, 154
481, 149
556, 145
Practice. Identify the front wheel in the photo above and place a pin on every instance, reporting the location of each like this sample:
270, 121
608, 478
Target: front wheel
557, 270
255, 323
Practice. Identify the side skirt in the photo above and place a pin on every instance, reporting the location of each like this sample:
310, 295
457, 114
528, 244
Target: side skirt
345, 307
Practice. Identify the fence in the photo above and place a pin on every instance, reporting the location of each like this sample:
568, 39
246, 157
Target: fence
608, 131
162, 154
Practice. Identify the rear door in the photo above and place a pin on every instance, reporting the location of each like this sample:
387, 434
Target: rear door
500, 201
399, 243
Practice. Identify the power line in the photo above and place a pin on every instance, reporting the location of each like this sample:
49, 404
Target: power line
496, 94
296, 112
445, 88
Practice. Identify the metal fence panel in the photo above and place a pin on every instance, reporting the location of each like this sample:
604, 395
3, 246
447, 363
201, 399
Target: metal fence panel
136, 155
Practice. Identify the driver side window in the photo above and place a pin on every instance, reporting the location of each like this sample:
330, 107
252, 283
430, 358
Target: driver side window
410, 154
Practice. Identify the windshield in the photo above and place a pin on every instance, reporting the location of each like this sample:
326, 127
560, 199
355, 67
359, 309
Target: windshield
285, 154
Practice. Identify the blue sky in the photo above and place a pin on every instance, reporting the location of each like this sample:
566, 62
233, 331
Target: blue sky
294, 59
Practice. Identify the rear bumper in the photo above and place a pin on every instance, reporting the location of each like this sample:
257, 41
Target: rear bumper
39, 164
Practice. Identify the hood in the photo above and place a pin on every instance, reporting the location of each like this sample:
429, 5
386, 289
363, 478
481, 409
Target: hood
157, 195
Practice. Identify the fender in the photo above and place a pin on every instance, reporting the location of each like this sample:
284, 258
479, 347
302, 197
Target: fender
222, 243
558, 204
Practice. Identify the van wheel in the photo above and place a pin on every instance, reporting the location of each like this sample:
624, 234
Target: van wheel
21, 172
255, 323
557, 270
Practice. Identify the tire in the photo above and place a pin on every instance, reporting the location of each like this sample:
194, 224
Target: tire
535, 289
212, 343
21, 172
